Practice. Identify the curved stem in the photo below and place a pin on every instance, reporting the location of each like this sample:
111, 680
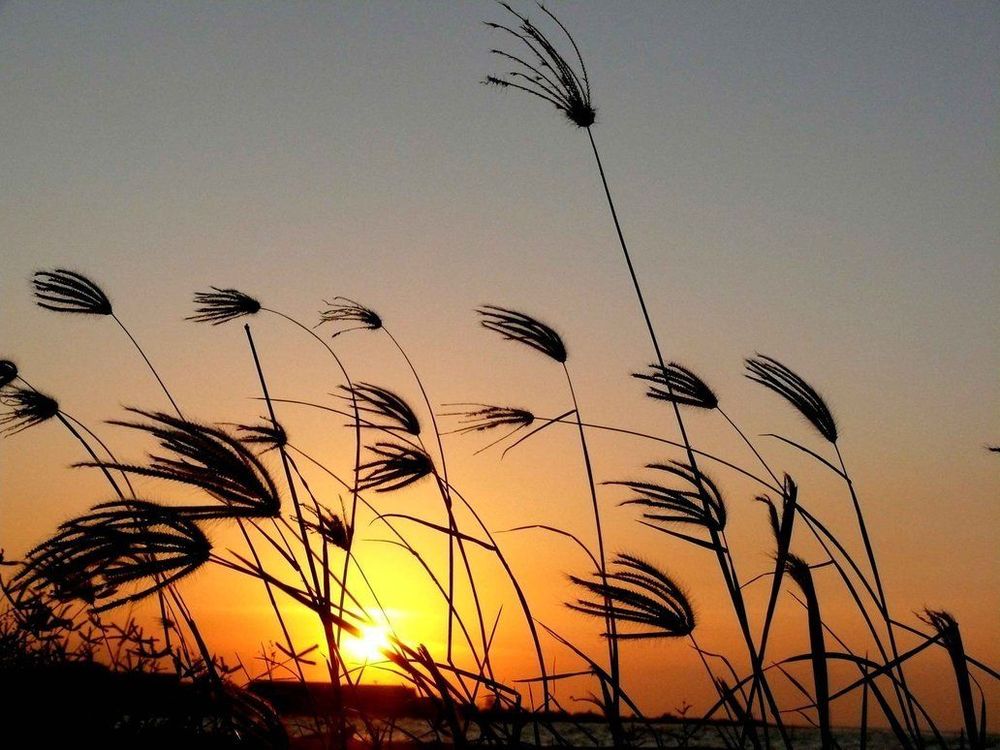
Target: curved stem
610, 622
445, 485
357, 442
90, 451
725, 558
149, 365
103, 445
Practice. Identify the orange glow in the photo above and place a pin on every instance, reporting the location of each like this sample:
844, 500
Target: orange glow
369, 647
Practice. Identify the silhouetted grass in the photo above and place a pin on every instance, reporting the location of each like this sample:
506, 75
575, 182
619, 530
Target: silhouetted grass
128, 549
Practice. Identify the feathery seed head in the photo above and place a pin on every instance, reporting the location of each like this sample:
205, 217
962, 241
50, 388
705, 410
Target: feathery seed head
800, 572
222, 305
641, 593
344, 310
68, 291
267, 434
396, 467
688, 505
770, 373
516, 326
678, 384
546, 73
207, 458
489, 417
381, 402
8, 372
25, 408
331, 528
945, 624
115, 545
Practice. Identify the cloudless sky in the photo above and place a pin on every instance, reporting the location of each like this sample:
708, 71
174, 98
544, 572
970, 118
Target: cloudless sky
815, 181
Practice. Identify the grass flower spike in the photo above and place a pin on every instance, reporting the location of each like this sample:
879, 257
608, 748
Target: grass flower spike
516, 326
395, 467
489, 417
381, 402
546, 73
25, 408
640, 593
679, 385
207, 458
114, 545
770, 373
222, 305
68, 291
344, 310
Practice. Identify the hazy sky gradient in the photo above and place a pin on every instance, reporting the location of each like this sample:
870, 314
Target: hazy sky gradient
816, 181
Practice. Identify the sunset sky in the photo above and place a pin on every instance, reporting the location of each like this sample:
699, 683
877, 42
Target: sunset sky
814, 181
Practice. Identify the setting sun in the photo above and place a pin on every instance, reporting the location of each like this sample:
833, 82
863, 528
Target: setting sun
369, 647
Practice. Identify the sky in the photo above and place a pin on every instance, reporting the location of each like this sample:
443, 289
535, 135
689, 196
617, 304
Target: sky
817, 182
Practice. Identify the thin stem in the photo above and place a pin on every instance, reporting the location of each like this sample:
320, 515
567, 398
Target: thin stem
103, 445
150, 365
445, 485
725, 559
615, 707
90, 451
357, 442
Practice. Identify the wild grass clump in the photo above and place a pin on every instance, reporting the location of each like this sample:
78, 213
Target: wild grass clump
128, 549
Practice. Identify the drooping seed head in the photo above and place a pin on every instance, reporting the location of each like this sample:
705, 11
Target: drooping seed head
944, 623
770, 373
343, 310
488, 417
540, 69
68, 291
207, 458
382, 403
678, 384
331, 528
638, 592
396, 467
269, 435
116, 545
222, 305
24, 408
8, 372
516, 326
699, 504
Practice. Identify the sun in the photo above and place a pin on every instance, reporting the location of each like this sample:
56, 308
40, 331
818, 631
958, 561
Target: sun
369, 645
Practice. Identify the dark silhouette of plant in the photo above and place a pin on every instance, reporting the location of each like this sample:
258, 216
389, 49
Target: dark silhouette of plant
396, 467
515, 326
207, 458
576, 99
69, 291
381, 402
772, 374
25, 408
114, 545
222, 305
489, 417
8, 372
800, 572
524, 329
270, 436
549, 75
678, 384
638, 592
344, 310
946, 626
668, 505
